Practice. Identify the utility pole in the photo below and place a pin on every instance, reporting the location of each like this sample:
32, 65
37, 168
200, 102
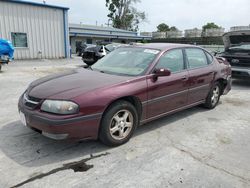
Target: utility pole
108, 24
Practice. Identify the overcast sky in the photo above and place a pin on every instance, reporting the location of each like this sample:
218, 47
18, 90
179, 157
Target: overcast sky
184, 14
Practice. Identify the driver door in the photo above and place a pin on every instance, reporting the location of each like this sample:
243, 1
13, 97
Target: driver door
169, 92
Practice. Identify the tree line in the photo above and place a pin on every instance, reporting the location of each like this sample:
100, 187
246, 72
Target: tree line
124, 15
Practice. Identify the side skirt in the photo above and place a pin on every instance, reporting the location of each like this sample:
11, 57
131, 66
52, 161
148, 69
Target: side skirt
171, 112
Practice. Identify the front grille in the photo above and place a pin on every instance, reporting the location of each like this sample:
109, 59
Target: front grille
31, 102
240, 74
239, 62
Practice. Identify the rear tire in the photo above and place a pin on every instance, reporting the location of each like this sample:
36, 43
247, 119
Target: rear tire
118, 123
214, 96
79, 53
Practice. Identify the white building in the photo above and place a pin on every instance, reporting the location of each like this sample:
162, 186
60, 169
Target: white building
214, 32
91, 34
189, 33
148, 34
238, 28
174, 34
36, 30
159, 35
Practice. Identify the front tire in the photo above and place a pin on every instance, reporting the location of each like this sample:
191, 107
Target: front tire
118, 124
214, 96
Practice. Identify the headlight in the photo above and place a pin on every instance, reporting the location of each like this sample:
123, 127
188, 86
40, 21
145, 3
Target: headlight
59, 107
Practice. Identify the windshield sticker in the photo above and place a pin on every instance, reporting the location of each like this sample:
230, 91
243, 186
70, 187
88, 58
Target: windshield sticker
151, 51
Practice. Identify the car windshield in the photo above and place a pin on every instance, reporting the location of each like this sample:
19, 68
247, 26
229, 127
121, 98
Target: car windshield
128, 61
243, 46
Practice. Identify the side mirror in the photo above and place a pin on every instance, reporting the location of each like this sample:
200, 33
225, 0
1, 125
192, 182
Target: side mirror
162, 72
215, 53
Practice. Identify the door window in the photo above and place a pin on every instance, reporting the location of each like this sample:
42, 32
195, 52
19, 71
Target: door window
210, 58
196, 58
172, 60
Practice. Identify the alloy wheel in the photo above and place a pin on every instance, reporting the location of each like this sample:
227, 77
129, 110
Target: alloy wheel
215, 95
121, 124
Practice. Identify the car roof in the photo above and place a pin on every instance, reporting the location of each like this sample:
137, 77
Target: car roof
164, 46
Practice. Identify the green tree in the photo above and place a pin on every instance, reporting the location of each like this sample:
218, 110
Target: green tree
173, 28
162, 27
210, 25
124, 15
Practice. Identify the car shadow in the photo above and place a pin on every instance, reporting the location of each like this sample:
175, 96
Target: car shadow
30, 149
169, 119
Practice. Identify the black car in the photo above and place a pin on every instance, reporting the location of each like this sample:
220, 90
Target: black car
81, 47
93, 53
237, 52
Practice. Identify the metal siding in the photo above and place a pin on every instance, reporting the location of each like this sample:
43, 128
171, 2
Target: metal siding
100, 32
44, 27
36, 4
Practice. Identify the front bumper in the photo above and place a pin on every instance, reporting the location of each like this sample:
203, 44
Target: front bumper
4, 59
239, 72
58, 127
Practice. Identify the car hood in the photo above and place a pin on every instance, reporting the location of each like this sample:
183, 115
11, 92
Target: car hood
73, 83
236, 37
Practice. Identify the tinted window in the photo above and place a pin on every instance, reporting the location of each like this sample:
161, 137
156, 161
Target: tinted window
239, 39
209, 57
19, 40
196, 57
172, 60
89, 41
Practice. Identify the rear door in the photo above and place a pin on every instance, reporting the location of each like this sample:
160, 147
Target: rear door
169, 92
201, 74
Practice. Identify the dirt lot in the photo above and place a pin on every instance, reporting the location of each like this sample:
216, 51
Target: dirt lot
193, 148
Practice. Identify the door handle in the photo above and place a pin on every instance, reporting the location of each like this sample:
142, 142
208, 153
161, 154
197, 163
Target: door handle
184, 78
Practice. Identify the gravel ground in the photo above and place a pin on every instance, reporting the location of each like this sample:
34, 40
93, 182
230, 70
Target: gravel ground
193, 148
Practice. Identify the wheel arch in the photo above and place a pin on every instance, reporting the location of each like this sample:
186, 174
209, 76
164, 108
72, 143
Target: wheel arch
223, 83
135, 101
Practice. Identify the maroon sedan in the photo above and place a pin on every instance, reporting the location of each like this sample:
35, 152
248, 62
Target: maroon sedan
130, 86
